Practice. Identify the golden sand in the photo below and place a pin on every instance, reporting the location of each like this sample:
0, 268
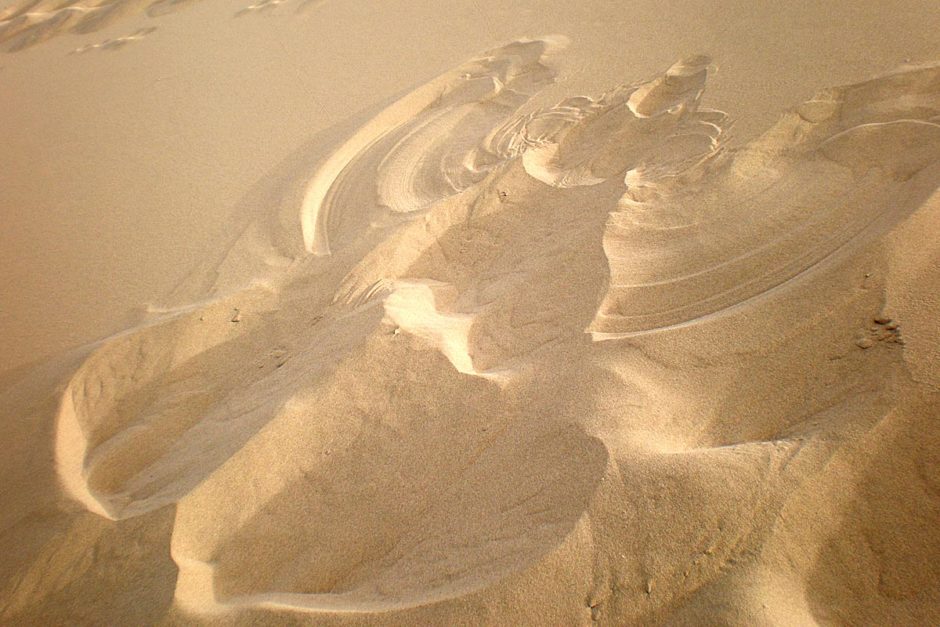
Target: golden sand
529, 337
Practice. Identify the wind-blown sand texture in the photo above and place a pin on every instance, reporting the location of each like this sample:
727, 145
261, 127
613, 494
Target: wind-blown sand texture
512, 363
25, 23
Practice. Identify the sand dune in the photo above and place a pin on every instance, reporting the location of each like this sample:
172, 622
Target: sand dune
417, 421
544, 365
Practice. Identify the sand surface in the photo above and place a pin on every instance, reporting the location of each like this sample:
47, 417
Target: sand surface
542, 313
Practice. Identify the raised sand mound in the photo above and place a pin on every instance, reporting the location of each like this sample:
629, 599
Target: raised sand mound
580, 363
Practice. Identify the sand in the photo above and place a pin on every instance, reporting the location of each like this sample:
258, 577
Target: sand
551, 315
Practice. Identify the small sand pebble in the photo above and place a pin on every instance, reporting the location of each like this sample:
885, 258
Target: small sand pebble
892, 326
882, 320
237, 316
864, 343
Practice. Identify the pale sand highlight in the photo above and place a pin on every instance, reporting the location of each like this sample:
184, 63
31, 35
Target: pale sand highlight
536, 365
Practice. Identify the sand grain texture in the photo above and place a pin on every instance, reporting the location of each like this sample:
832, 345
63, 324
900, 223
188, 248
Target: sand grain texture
494, 360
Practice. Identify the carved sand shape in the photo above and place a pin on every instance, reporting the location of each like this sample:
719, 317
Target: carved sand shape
171, 413
430, 144
689, 242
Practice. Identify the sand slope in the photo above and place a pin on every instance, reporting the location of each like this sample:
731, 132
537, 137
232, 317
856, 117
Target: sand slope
515, 364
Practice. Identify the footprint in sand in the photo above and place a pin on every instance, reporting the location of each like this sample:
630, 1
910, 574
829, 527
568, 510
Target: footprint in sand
116, 43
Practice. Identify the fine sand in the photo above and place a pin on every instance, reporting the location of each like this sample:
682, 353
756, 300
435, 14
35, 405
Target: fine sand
529, 337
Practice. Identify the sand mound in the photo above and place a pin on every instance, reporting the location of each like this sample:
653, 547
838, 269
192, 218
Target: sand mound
417, 420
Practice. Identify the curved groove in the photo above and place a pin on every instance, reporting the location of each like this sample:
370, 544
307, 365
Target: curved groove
438, 130
831, 186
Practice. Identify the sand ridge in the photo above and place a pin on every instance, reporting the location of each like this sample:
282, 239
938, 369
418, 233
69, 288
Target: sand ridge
436, 134
440, 428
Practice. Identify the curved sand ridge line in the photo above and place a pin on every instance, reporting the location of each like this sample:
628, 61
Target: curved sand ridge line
430, 144
420, 393
696, 230
689, 242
